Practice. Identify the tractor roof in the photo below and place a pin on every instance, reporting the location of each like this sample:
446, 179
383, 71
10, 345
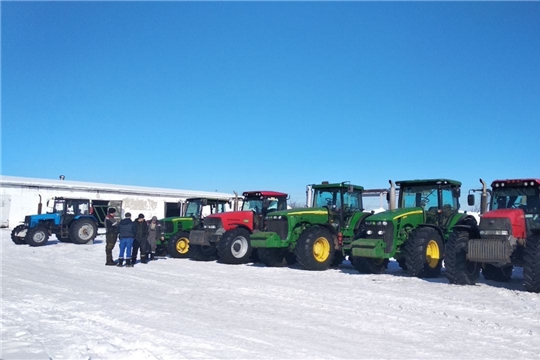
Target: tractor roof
516, 182
264, 193
208, 198
428, 182
344, 185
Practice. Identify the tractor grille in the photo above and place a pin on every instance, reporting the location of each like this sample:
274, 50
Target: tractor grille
27, 221
491, 228
279, 226
387, 236
212, 223
168, 227
489, 250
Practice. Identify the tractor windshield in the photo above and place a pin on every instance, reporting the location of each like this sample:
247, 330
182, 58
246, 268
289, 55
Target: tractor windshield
525, 198
256, 204
193, 208
418, 196
332, 197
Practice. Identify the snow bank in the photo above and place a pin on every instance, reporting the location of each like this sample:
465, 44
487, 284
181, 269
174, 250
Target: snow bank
61, 302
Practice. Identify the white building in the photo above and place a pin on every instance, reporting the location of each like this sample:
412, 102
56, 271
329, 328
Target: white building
20, 197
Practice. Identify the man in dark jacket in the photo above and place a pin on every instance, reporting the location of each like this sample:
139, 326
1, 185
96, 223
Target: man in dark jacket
126, 233
111, 235
141, 234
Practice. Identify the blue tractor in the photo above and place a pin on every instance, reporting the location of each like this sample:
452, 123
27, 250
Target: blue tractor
71, 220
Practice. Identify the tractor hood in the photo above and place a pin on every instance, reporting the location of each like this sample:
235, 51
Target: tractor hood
391, 215
176, 218
513, 217
300, 212
232, 219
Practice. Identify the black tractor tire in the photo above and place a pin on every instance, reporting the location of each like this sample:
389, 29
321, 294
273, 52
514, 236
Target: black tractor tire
338, 258
497, 273
234, 247
37, 236
82, 231
161, 250
19, 240
315, 248
424, 253
273, 257
531, 264
178, 245
368, 265
459, 270
203, 253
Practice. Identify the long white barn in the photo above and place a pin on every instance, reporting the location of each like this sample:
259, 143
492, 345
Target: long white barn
20, 197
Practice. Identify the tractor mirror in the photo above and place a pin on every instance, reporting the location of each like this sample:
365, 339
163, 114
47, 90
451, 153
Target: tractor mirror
457, 192
350, 189
470, 199
265, 203
204, 202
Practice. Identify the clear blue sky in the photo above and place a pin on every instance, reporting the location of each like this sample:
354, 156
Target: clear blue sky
246, 95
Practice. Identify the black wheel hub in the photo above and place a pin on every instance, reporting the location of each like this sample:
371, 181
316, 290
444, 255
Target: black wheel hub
236, 247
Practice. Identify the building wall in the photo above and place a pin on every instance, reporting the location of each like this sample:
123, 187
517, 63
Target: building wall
19, 200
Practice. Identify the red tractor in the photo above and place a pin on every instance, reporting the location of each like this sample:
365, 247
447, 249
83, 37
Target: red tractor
227, 236
508, 236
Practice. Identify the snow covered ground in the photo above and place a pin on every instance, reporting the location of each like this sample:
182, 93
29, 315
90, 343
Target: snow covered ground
60, 302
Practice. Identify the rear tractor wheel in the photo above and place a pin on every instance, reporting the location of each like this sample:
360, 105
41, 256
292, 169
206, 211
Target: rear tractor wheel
83, 231
424, 253
531, 266
315, 248
18, 234
178, 246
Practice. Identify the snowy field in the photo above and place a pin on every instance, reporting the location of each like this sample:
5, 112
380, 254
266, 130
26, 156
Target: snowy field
60, 302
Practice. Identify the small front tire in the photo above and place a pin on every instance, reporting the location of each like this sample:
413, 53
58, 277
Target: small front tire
315, 248
18, 234
459, 270
37, 236
178, 245
423, 252
234, 247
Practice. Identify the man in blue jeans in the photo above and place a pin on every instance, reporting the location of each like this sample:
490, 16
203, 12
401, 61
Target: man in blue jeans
126, 234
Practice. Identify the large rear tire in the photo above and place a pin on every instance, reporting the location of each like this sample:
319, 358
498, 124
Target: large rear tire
497, 273
531, 265
234, 247
178, 245
83, 231
18, 234
424, 253
369, 266
37, 236
203, 253
315, 248
459, 270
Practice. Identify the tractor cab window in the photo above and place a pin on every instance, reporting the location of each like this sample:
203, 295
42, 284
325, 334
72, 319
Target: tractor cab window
325, 197
59, 206
448, 199
193, 208
252, 204
352, 201
276, 204
217, 208
419, 196
525, 198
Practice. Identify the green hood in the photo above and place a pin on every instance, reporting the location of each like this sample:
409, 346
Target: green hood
391, 215
300, 212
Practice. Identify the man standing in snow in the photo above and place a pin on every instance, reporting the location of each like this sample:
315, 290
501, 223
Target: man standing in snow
154, 232
126, 233
141, 241
111, 235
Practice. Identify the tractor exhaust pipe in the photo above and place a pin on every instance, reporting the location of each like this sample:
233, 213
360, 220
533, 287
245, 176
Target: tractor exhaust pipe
392, 196
309, 195
483, 198
39, 206
235, 205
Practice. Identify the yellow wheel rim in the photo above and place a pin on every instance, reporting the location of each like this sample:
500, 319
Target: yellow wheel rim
321, 249
433, 254
182, 245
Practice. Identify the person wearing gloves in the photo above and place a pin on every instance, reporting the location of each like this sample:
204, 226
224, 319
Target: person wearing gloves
126, 233
154, 232
141, 234
111, 235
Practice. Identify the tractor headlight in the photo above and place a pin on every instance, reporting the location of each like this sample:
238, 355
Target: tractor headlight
384, 223
209, 226
380, 232
369, 232
494, 232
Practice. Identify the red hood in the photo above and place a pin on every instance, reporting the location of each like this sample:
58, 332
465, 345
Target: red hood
234, 219
516, 216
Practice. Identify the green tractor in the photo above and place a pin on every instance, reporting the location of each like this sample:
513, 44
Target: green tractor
415, 233
318, 236
175, 230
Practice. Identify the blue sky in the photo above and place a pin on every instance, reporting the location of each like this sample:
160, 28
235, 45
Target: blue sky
246, 95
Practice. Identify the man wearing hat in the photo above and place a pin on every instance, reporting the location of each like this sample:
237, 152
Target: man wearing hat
111, 235
126, 233
141, 234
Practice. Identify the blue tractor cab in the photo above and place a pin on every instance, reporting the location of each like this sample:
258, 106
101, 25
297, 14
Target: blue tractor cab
71, 220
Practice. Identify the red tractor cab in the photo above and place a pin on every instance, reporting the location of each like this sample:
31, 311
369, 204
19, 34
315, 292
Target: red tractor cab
227, 236
508, 235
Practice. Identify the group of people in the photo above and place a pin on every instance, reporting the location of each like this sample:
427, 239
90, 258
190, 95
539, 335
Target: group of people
133, 236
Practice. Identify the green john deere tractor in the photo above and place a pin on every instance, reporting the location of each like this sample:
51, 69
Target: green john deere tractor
415, 233
175, 230
317, 236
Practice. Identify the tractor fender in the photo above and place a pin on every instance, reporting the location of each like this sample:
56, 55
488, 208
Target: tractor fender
437, 228
471, 229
